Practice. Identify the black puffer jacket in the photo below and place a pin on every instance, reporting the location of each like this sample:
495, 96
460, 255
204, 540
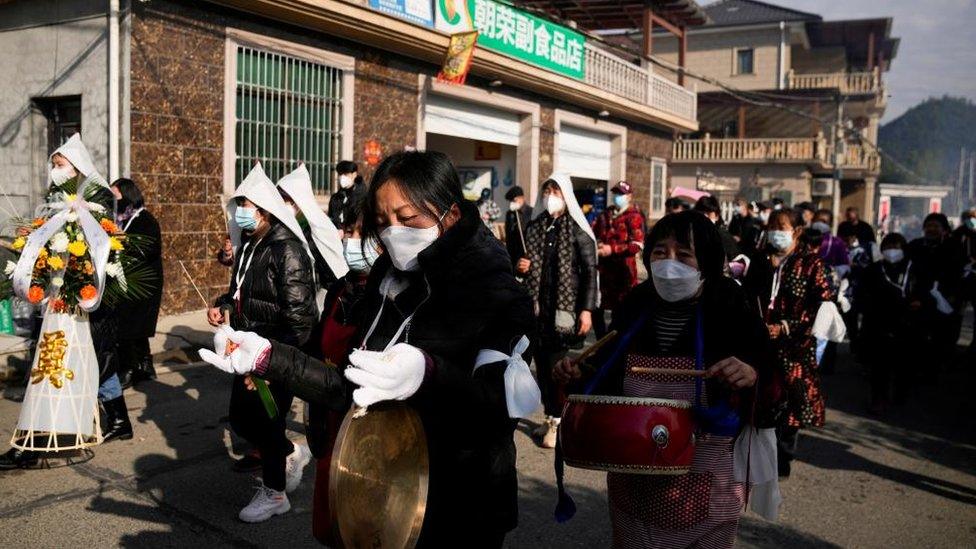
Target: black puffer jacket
278, 293
473, 303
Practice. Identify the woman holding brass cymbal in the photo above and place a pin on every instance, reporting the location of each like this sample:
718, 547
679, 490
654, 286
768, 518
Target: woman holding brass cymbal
687, 334
443, 330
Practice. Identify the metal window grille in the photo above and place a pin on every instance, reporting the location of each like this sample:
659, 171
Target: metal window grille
289, 111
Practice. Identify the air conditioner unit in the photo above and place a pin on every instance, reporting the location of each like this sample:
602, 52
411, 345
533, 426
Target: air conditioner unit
822, 187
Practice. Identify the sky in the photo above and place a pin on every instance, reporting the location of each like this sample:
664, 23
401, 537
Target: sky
937, 54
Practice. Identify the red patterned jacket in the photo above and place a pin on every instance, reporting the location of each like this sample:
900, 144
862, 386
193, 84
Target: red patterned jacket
624, 233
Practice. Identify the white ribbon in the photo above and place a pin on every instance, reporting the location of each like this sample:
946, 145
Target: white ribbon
829, 324
754, 456
95, 237
522, 395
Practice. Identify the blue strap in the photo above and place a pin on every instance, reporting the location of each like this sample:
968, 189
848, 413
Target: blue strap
621, 347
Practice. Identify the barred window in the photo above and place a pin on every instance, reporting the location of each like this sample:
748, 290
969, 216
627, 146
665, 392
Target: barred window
289, 111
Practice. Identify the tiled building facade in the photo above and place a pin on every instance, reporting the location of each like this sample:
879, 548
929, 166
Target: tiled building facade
177, 127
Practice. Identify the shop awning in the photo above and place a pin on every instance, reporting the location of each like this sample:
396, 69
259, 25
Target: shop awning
618, 14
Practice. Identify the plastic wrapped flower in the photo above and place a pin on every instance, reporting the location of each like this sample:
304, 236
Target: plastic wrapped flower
55, 262
59, 242
87, 292
37, 222
9, 268
57, 281
115, 243
18, 243
77, 248
35, 294
42, 253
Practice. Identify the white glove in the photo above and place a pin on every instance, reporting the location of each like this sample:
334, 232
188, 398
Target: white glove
392, 375
243, 358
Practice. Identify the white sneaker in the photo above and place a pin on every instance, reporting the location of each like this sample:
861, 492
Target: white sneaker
265, 504
294, 466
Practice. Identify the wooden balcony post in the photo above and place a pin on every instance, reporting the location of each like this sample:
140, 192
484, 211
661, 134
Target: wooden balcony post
742, 122
682, 54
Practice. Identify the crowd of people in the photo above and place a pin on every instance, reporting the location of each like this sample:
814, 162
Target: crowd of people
402, 292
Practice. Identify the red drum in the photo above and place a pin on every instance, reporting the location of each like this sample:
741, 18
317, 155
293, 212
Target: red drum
647, 436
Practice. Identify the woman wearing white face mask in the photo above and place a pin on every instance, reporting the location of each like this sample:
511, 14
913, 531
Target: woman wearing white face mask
560, 270
440, 297
893, 325
790, 283
687, 316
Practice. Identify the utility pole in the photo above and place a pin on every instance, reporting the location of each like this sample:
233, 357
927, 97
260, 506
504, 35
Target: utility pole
972, 168
961, 180
837, 130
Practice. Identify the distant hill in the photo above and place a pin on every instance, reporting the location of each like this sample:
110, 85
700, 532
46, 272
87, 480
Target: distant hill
927, 139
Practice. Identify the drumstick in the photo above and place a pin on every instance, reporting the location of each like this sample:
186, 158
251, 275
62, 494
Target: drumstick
667, 371
592, 349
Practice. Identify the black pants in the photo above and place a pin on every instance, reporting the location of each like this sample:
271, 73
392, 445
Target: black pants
785, 447
250, 420
599, 323
546, 353
132, 353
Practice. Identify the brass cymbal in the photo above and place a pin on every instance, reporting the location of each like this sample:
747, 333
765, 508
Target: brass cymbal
378, 478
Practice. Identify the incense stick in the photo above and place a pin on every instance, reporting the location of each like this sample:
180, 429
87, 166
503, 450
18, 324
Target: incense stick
592, 349
206, 304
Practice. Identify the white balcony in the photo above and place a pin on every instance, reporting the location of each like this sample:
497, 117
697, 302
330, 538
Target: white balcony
813, 151
618, 76
849, 83
774, 150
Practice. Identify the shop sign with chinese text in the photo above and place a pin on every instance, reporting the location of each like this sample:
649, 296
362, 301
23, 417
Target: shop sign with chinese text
515, 33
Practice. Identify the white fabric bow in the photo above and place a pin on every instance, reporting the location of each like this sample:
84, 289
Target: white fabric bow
754, 459
95, 237
522, 395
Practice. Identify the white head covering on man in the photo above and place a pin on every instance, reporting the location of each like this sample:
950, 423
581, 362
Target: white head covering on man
76, 153
325, 235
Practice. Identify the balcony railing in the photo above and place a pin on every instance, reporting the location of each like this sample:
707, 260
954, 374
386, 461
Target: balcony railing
809, 149
620, 77
847, 82
857, 157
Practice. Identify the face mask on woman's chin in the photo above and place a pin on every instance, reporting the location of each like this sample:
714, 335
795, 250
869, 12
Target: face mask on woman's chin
554, 204
675, 281
404, 244
62, 174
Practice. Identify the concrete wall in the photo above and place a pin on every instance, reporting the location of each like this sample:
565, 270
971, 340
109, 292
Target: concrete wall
713, 54
48, 48
730, 179
819, 60
177, 64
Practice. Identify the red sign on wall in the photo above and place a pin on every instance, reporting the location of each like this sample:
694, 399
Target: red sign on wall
372, 152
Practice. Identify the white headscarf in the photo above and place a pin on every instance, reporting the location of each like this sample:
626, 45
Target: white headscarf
257, 188
325, 235
572, 206
76, 153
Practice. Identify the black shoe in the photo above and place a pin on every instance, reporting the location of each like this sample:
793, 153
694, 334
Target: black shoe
250, 463
16, 458
144, 371
117, 424
125, 378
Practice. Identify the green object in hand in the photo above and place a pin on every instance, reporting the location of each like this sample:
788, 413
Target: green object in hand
266, 398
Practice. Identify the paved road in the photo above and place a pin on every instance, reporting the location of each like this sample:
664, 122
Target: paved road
908, 480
